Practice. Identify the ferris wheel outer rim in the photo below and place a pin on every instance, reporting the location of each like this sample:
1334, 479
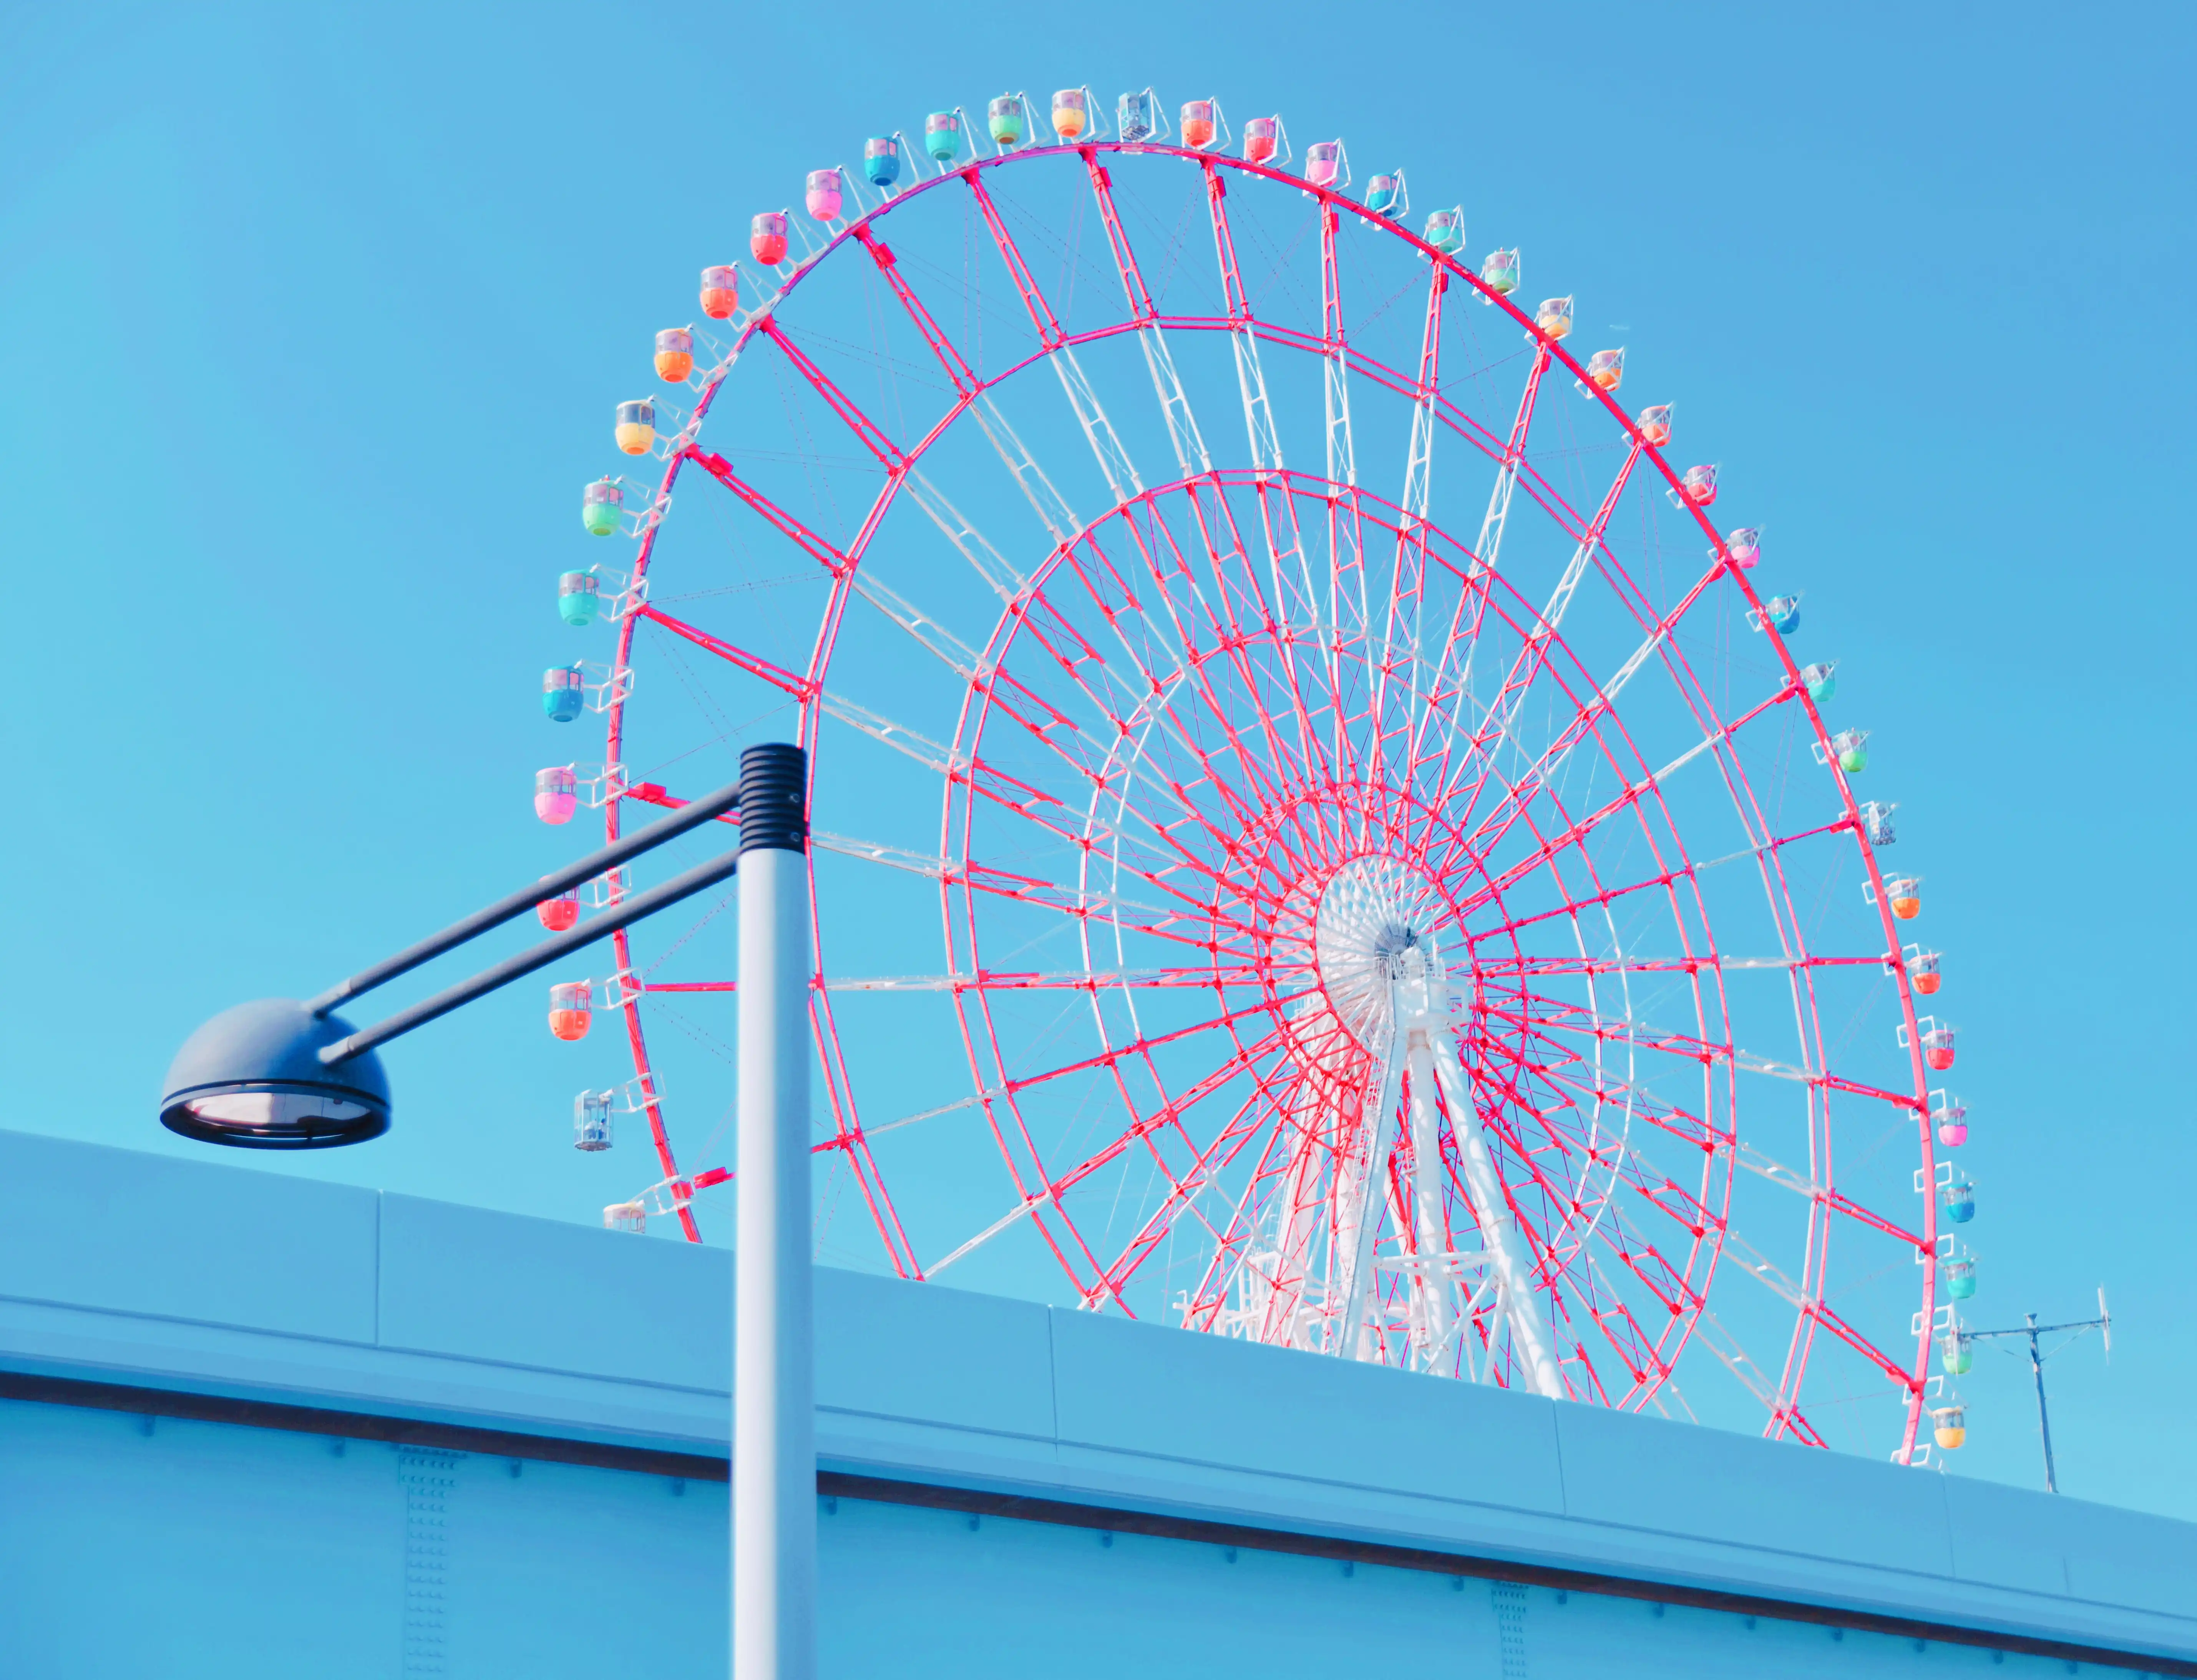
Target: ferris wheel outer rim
1655, 454
1332, 202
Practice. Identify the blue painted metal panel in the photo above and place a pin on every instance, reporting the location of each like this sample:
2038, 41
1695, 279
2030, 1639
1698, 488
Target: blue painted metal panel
132, 1547
1657, 1480
1156, 1395
942, 1598
2120, 1557
564, 1571
192, 1549
535, 1293
887, 1356
123, 1231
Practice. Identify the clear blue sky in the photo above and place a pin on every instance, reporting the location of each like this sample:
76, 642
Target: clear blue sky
309, 326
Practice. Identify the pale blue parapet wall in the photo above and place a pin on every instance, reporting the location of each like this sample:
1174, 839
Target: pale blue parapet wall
210, 1279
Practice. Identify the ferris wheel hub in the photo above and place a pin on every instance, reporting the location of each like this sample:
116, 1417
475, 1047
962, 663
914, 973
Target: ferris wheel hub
1373, 932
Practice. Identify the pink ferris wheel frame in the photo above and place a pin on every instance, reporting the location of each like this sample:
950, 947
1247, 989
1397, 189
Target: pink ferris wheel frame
1267, 485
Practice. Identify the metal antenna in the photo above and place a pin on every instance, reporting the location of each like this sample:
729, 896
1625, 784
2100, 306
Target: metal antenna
2032, 1329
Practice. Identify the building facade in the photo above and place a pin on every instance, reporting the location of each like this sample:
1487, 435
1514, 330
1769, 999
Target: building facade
254, 1425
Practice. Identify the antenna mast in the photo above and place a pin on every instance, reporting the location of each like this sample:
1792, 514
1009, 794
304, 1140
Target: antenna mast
2032, 1329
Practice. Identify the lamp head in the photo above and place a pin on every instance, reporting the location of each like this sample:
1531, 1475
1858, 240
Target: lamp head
253, 1078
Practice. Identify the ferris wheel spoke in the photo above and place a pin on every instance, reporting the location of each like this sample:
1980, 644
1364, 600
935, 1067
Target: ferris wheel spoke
1151, 692
1251, 1118
1553, 849
1160, 844
1821, 1313
1567, 908
1120, 473
1028, 803
1288, 566
1003, 791
1348, 614
753, 663
1531, 658
1667, 1117
1743, 1255
1627, 1338
1265, 442
1636, 1351
1349, 609
966, 383
849, 1137
1566, 1018
1148, 701
1341, 447
1407, 591
1273, 632
1709, 1330
1050, 1189
1190, 454
983, 557
1673, 1199
1658, 641
1121, 476
1839, 1202
1038, 489
1524, 967
1182, 1187
872, 437
1074, 902
1232, 1264
1549, 1015
823, 553
1542, 772
926, 629
1488, 549
1092, 980
1142, 1046
1187, 922
1582, 1292
1031, 1201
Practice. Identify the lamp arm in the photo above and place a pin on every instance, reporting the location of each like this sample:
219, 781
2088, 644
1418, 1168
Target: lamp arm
526, 962
610, 857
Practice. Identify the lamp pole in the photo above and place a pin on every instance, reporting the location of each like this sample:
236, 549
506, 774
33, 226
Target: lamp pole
773, 1537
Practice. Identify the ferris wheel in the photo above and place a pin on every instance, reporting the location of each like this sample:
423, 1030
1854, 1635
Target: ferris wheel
1317, 836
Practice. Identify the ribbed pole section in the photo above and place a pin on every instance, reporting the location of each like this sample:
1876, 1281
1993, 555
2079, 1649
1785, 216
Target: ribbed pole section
773, 1375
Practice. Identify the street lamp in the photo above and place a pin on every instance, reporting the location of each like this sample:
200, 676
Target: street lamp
286, 1075
280, 1074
